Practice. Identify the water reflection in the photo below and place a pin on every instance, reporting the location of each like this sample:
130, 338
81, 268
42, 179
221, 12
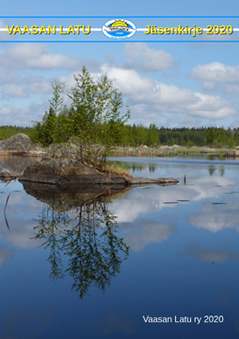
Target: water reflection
213, 256
215, 218
211, 170
16, 163
88, 237
183, 260
137, 166
141, 233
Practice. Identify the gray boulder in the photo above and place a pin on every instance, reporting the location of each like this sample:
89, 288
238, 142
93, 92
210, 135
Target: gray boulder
18, 142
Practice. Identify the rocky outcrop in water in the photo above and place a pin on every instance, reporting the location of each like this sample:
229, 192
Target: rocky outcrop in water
20, 145
18, 142
82, 175
61, 167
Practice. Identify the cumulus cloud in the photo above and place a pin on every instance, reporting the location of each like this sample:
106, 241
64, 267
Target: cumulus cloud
140, 57
13, 115
43, 87
17, 86
216, 72
15, 91
168, 98
147, 97
36, 56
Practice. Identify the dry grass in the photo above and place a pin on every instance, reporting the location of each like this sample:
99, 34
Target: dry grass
113, 169
141, 152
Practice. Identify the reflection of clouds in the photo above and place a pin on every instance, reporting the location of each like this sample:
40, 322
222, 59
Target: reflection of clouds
24, 319
213, 220
5, 253
143, 232
141, 201
204, 254
21, 234
205, 187
21, 210
113, 323
17, 198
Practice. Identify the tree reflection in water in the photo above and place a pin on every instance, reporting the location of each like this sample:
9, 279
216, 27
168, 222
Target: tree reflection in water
88, 236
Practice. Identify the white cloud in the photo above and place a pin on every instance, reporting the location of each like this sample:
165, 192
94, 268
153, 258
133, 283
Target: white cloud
167, 98
140, 57
36, 56
15, 91
13, 115
216, 72
149, 99
43, 87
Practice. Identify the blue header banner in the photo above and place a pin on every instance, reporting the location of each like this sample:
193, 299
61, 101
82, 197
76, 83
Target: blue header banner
87, 29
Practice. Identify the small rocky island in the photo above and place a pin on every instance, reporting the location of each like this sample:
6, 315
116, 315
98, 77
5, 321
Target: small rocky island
61, 167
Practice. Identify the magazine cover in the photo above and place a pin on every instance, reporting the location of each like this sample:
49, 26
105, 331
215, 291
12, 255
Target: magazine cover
119, 158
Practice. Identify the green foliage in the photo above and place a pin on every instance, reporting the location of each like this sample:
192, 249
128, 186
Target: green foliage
211, 136
46, 129
8, 131
93, 118
56, 103
190, 144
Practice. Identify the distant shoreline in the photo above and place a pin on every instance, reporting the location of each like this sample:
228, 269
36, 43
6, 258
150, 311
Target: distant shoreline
162, 151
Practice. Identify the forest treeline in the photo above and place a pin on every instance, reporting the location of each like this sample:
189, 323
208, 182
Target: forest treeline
136, 135
212, 136
8, 131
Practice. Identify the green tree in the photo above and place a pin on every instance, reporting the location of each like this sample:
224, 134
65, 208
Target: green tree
221, 138
46, 129
49, 130
94, 117
56, 103
211, 136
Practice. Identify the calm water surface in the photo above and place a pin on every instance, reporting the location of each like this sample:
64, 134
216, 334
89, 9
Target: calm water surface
110, 268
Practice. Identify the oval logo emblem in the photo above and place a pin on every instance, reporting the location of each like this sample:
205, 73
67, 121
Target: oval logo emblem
119, 29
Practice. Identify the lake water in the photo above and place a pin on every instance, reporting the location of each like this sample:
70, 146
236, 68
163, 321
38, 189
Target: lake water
110, 268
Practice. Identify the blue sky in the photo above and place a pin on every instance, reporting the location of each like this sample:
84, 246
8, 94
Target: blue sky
169, 84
